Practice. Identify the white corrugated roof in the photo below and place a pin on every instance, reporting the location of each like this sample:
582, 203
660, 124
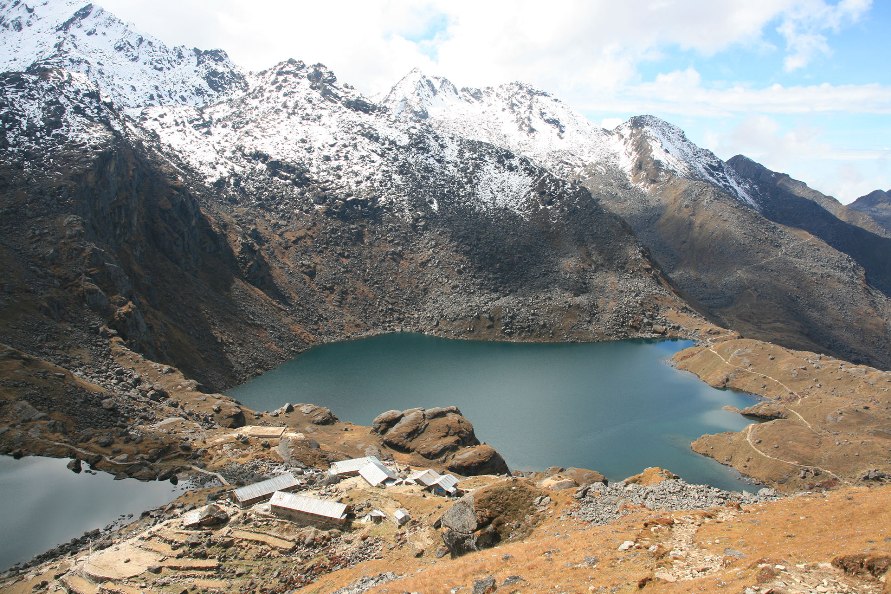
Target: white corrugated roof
353, 465
401, 516
376, 473
267, 487
447, 482
424, 477
309, 505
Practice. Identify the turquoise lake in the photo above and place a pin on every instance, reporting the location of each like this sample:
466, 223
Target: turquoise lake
615, 407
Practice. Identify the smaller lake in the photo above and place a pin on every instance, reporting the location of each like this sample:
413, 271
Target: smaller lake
615, 407
45, 504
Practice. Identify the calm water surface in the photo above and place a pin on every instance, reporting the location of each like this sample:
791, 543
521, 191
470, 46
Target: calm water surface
45, 504
615, 407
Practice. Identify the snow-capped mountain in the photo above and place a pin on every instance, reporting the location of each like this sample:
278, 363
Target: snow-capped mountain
497, 212
514, 116
293, 213
531, 122
668, 147
298, 124
131, 69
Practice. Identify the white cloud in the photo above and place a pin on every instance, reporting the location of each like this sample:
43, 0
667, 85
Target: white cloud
682, 92
806, 154
571, 47
764, 139
804, 27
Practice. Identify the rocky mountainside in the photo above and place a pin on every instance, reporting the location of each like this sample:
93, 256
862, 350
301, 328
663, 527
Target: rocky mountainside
791, 203
101, 237
768, 183
133, 70
877, 206
533, 123
742, 254
224, 238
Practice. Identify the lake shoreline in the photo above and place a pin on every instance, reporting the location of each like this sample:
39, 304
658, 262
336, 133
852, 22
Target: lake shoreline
405, 388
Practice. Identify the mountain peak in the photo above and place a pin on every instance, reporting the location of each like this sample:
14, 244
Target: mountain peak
877, 206
651, 121
133, 70
875, 198
674, 152
416, 93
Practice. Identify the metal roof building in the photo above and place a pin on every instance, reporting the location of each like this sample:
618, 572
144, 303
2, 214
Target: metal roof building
251, 494
447, 483
351, 467
401, 516
444, 484
375, 516
309, 510
424, 477
376, 474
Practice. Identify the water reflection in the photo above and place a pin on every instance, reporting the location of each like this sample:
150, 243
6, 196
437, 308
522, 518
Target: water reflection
45, 504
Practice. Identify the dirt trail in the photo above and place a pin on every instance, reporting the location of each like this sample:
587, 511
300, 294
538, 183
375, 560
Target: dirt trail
766, 455
727, 362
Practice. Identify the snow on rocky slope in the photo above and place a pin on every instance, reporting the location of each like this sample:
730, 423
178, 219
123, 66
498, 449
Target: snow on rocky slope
131, 69
47, 109
515, 116
535, 124
297, 123
227, 123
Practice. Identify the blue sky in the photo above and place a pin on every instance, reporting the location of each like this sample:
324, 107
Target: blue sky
844, 151
804, 86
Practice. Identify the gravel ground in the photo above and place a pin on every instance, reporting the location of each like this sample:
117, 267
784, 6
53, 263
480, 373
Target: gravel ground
367, 582
601, 504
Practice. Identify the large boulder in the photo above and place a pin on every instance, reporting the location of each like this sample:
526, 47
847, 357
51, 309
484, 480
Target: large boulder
228, 415
23, 412
317, 415
382, 423
557, 478
651, 476
441, 434
480, 459
501, 512
458, 527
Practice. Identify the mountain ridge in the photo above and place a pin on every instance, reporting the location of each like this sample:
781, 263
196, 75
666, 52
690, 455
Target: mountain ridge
132, 69
318, 240
291, 141
701, 218
534, 123
877, 206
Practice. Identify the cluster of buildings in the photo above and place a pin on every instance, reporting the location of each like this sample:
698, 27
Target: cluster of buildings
283, 502
377, 474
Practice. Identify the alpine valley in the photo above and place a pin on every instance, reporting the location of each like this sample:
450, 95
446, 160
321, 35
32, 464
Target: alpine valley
172, 225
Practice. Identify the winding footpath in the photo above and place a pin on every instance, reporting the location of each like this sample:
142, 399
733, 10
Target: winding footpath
726, 361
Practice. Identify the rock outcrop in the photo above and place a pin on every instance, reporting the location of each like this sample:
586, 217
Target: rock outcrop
500, 512
441, 434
